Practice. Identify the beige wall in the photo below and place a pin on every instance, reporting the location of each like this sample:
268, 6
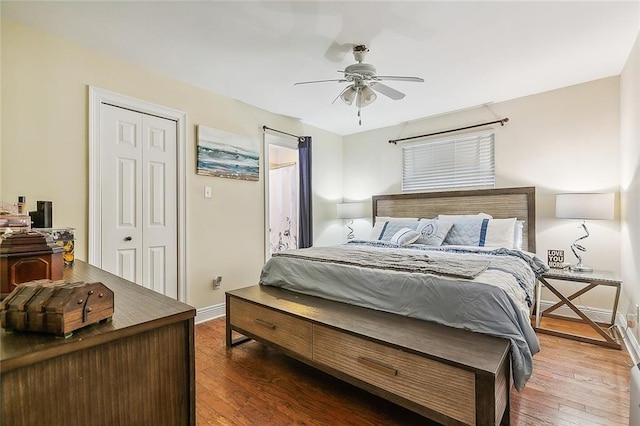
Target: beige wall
630, 177
559, 141
45, 154
564, 140
1, 197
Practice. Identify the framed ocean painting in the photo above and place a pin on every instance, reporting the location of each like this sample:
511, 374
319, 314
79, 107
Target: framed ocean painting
227, 155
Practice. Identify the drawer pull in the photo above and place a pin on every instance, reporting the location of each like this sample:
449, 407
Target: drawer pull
265, 324
376, 365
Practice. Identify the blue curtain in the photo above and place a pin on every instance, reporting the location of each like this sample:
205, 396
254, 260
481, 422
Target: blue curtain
305, 236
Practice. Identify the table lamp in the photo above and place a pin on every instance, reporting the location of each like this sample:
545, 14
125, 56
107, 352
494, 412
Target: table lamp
584, 206
350, 211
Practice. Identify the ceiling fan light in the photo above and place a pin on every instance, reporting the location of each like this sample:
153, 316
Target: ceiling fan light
349, 95
366, 96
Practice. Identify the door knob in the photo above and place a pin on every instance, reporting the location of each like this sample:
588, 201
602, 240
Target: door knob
128, 238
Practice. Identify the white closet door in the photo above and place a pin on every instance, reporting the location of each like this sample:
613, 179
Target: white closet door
159, 214
121, 192
138, 193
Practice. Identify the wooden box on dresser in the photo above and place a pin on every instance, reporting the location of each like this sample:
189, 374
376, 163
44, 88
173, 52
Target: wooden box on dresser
449, 375
27, 256
137, 369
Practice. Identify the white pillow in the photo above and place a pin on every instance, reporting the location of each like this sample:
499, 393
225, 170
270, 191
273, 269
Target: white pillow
500, 233
404, 237
376, 231
517, 235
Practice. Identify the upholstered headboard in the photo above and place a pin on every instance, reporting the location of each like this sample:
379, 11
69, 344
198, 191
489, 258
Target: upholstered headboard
499, 203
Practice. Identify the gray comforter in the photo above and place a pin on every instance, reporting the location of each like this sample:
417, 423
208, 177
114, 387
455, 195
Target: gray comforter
495, 302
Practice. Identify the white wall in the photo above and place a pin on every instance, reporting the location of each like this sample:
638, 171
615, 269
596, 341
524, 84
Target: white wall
45, 154
564, 140
630, 178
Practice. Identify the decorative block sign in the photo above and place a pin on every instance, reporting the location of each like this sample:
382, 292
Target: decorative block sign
555, 258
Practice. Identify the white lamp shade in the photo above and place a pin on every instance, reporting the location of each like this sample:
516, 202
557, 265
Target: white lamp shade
349, 95
585, 206
350, 210
366, 96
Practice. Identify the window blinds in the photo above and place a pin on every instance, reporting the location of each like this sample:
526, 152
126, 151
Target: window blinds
464, 161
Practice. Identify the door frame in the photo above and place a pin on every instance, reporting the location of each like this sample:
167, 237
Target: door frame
97, 97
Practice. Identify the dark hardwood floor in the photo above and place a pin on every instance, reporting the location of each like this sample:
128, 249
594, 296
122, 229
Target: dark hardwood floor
573, 384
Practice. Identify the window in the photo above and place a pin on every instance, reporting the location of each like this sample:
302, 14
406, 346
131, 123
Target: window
463, 161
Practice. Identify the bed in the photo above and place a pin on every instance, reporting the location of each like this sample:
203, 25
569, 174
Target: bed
341, 309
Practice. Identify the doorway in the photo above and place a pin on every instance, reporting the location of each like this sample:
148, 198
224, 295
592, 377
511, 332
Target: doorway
282, 189
136, 212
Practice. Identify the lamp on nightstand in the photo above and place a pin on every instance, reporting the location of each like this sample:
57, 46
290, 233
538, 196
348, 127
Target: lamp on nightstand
350, 211
584, 206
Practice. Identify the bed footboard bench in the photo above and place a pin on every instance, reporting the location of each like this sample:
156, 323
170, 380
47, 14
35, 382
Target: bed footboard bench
449, 375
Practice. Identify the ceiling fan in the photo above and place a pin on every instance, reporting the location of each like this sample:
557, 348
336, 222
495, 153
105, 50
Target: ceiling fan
365, 82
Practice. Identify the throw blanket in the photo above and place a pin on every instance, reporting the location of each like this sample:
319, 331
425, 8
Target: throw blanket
397, 260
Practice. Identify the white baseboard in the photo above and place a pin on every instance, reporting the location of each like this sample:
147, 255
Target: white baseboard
604, 316
210, 312
594, 314
629, 337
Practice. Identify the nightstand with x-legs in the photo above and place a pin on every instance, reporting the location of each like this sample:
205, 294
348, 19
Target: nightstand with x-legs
605, 330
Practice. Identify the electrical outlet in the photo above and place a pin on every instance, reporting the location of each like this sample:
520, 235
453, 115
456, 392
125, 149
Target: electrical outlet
632, 320
217, 282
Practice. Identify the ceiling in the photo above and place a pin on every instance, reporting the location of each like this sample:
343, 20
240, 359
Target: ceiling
469, 53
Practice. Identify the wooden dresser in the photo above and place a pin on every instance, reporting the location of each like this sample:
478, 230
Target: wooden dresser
137, 369
450, 375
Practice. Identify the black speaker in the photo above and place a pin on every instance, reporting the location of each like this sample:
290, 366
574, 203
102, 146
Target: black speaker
45, 211
35, 219
42, 217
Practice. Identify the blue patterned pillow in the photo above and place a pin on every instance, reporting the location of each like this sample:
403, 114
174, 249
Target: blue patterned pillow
478, 232
433, 231
384, 230
404, 237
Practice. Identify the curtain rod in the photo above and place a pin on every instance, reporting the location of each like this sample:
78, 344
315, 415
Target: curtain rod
502, 121
279, 131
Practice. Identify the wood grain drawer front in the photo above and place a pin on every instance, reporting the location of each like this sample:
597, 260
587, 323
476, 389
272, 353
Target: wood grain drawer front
440, 387
281, 329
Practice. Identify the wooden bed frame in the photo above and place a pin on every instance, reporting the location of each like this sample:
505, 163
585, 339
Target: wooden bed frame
499, 203
449, 375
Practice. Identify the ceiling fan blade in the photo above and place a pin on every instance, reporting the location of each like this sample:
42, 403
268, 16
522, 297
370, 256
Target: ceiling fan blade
387, 91
336, 51
400, 78
340, 80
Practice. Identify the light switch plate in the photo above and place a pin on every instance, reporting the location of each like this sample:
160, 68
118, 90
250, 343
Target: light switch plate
207, 192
